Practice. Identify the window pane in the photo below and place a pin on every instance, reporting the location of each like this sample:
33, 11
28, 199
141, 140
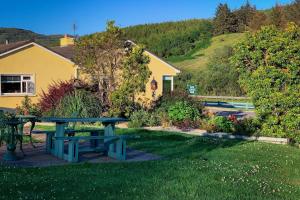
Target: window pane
10, 78
24, 87
26, 78
11, 87
166, 87
30, 87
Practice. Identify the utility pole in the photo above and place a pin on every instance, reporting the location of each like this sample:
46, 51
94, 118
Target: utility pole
74, 27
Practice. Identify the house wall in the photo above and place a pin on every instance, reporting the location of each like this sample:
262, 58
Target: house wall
43, 64
65, 41
158, 69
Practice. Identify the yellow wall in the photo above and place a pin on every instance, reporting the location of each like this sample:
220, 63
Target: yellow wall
65, 41
158, 69
43, 64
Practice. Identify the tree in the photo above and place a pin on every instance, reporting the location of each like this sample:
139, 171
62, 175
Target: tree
293, 12
268, 62
277, 16
225, 21
244, 16
258, 20
134, 76
100, 57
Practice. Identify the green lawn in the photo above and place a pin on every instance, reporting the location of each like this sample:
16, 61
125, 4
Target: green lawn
192, 168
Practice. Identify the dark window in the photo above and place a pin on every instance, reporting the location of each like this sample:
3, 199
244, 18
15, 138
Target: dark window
167, 85
17, 84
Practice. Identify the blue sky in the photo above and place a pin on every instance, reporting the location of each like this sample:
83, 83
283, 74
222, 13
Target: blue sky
57, 16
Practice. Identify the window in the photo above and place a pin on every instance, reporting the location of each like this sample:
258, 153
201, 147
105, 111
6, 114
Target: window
167, 84
17, 84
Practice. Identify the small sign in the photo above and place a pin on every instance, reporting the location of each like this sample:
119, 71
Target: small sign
192, 89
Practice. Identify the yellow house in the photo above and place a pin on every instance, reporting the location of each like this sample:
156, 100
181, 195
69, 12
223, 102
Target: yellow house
27, 68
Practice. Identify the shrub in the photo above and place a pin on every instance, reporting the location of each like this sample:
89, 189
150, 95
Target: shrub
138, 119
80, 102
56, 91
28, 108
186, 124
154, 119
166, 101
247, 126
183, 110
222, 124
142, 118
209, 127
163, 118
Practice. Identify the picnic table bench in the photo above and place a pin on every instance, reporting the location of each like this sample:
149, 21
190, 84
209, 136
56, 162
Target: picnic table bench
70, 132
114, 146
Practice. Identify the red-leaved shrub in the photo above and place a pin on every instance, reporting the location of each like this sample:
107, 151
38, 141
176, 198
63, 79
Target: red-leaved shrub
56, 91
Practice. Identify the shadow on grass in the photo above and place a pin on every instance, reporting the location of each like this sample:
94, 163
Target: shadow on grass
177, 145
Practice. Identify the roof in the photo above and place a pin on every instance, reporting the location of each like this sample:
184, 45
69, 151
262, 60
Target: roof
63, 52
167, 63
8, 47
66, 52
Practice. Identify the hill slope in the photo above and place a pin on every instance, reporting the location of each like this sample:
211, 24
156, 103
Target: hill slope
172, 38
198, 60
15, 34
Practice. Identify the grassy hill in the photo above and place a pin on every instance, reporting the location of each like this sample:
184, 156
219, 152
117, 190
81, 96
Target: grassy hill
15, 34
198, 60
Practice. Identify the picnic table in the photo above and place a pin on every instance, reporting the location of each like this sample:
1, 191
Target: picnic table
114, 145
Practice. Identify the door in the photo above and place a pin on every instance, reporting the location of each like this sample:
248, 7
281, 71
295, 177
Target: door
167, 85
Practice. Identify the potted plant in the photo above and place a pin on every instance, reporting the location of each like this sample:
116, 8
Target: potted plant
9, 135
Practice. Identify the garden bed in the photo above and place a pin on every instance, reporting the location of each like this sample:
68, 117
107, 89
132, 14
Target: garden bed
204, 133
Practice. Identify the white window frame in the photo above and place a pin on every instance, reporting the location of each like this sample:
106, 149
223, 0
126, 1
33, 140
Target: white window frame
32, 79
169, 78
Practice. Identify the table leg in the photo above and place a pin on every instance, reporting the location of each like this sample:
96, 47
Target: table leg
94, 143
59, 144
109, 130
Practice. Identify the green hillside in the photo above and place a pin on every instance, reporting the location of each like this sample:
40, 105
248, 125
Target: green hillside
169, 39
15, 34
199, 59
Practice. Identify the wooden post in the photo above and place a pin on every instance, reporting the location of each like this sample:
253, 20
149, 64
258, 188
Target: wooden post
59, 144
49, 142
73, 151
109, 130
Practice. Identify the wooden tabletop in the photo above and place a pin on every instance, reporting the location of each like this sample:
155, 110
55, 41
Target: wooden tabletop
26, 116
101, 119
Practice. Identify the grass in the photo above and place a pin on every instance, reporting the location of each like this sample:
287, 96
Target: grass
199, 59
191, 168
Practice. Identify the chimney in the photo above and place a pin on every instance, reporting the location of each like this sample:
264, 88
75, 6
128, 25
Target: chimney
6, 42
66, 41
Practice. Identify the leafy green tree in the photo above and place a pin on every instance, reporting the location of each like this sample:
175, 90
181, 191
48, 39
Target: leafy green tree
100, 56
134, 76
268, 62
